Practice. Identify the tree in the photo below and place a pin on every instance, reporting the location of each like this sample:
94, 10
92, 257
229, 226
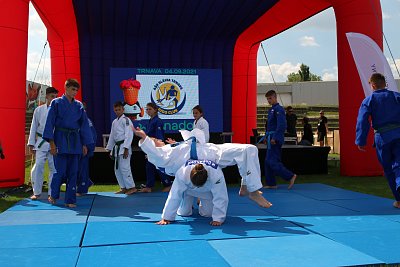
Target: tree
303, 75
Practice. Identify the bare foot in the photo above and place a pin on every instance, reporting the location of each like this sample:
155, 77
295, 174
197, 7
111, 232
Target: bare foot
131, 191
145, 190
396, 204
259, 199
35, 197
51, 200
270, 187
166, 189
121, 191
70, 205
243, 191
291, 182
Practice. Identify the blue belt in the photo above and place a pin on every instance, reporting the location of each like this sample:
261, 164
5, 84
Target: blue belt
267, 137
193, 149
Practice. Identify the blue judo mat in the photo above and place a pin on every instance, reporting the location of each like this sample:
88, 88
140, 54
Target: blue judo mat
310, 225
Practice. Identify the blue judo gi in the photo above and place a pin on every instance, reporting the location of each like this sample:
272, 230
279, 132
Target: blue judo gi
383, 106
275, 129
155, 128
83, 182
68, 126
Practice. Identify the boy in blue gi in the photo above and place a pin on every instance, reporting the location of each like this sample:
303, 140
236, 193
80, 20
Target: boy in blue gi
274, 137
83, 182
155, 129
383, 106
67, 131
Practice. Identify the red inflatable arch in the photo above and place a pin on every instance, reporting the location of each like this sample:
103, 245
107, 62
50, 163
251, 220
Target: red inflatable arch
59, 18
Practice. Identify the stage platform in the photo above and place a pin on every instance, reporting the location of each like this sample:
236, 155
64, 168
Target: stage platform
310, 225
299, 159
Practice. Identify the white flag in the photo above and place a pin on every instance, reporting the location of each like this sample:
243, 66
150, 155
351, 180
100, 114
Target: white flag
369, 59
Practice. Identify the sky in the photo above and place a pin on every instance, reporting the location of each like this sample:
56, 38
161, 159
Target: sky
312, 42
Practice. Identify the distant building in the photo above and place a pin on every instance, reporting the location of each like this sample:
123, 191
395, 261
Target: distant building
307, 93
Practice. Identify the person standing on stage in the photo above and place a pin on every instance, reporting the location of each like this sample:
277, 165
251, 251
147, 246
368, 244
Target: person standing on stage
120, 146
155, 129
39, 147
274, 138
291, 121
67, 130
383, 108
200, 122
322, 128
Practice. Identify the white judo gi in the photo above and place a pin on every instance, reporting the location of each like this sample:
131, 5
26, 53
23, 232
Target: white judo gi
42, 150
121, 137
171, 158
202, 124
213, 194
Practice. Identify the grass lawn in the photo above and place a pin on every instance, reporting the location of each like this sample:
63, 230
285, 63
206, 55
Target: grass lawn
370, 185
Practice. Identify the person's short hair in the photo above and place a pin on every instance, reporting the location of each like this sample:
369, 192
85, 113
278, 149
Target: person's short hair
306, 119
198, 175
72, 83
51, 90
197, 107
118, 104
289, 108
152, 105
270, 93
378, 79
321, 111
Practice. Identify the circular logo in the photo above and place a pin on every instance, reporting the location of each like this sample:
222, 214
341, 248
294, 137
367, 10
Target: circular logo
169, 96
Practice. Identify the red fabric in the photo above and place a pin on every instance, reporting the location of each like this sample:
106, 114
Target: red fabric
352, 16
62, 34
14, 45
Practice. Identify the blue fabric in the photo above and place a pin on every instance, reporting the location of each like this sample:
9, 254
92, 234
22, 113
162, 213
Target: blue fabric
68, 126
142, 34
193, 149
155, 128
389, 157
67, 171
276, 123
274, 165
383, 106
151, 172
83, 181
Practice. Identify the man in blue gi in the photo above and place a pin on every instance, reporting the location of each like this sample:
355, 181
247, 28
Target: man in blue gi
383, 106
274, 138
155, 129
67, 130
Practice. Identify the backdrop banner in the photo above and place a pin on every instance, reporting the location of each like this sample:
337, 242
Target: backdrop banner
369, 59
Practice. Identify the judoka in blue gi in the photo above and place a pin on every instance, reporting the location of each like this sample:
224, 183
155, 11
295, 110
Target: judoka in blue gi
83, 182
274, 138
67, 130
155, 129
383, 107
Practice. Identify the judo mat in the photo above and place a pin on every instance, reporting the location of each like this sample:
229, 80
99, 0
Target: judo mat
310, 225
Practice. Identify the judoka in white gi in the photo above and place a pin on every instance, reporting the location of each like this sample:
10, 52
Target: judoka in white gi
119, 144
39, 147
170, 158
202, 179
